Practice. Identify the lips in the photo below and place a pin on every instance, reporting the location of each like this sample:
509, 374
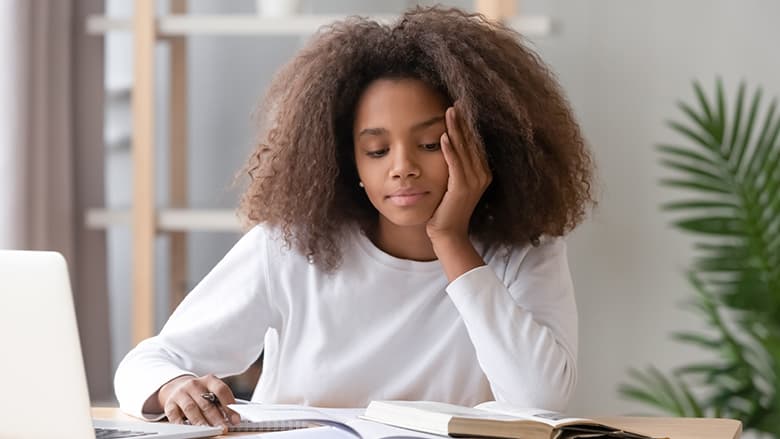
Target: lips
406, 197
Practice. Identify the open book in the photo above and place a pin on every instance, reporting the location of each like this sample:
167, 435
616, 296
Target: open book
490, 419
308, 422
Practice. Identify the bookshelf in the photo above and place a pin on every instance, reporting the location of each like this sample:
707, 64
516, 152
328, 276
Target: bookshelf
147, 221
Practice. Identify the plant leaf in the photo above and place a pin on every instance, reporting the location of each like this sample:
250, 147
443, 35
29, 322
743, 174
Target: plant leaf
720, 226
763, 144
699, 185
700, 204
697, 138
695, 407
721, 111
697, 339
743, 142
704, 125
693, 171
705, 106
736, 122
681, 152
650, 391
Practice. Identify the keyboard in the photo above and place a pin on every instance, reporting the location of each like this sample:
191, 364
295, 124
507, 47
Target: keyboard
112, 433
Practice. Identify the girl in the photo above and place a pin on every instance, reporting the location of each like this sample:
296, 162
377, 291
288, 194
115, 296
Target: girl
408, 201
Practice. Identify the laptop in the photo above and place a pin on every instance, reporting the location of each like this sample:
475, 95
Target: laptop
43, 381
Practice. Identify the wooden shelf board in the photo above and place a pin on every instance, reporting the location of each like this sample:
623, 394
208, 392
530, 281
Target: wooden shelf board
185, 25
170, 220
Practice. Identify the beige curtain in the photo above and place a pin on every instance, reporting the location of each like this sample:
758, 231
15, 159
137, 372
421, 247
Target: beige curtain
41, 214
51, 162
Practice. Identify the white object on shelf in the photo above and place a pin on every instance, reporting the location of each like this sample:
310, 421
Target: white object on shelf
100, 24
277, 8
170, 220
531, 26
180, 25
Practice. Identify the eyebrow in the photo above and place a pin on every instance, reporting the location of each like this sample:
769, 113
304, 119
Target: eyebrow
418, 126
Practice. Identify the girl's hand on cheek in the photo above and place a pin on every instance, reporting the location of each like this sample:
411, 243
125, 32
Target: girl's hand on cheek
469, 176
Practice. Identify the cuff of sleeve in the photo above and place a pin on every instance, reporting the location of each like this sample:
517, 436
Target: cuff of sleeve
472, 280
136, 397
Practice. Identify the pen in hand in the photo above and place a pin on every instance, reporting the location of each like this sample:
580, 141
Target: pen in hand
212, 398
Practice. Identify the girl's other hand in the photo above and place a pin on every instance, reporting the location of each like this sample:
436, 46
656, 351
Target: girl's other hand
182, 400
469, 176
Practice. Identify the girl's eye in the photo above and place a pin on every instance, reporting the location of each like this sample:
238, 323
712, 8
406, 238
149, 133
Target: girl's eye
431, 146
377, 153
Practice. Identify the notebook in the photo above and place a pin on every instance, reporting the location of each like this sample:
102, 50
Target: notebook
44, 382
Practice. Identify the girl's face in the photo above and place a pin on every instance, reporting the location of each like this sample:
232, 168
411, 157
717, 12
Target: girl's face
398, 127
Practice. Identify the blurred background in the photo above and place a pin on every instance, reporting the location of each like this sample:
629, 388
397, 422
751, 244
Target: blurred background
67, 139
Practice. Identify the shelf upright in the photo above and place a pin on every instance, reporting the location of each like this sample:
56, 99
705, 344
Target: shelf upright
143, 209
177, 159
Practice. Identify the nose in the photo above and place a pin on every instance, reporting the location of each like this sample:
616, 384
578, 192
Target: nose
404, 164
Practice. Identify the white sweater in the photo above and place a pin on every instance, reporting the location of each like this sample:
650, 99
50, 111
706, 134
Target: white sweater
377, 328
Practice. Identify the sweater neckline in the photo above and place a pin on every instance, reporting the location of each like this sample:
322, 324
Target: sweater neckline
374, 252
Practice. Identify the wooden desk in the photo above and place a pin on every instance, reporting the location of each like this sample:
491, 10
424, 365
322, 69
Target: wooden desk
674, 428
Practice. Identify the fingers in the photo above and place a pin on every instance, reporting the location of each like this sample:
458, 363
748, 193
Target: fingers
457, 140
212, 412
475, 156
173, 412
185, 403
454, 165
190, 409
225, 396
223, 392
468, 161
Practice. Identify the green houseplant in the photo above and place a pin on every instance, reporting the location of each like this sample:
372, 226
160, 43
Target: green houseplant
728, 168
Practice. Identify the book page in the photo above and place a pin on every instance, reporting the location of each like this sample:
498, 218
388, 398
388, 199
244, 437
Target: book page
287, 417
307, 433
277, 412
375, 430
367, 430
341, 423
553, 419
431, 408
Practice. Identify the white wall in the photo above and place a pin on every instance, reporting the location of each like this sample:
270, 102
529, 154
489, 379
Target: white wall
623, 64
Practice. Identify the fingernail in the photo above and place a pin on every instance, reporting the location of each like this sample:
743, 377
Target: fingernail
235, 419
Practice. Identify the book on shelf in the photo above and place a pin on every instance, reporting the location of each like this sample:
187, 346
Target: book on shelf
490, 419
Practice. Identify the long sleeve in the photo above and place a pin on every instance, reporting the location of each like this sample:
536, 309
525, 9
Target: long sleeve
218, 328
521, 317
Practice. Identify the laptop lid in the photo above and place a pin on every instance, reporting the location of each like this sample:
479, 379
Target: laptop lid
44, 383
43, 373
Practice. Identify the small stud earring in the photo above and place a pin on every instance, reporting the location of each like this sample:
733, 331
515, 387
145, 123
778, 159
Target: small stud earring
360, 184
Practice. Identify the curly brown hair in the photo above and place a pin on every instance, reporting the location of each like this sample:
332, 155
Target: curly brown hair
302, 174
